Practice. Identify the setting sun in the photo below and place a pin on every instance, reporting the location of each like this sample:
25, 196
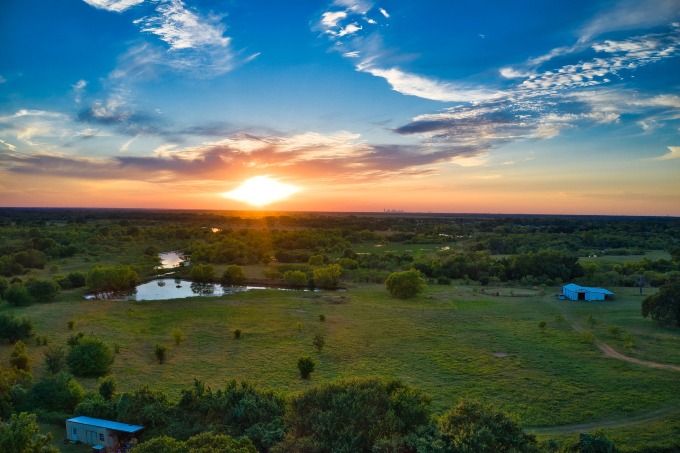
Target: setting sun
261, 191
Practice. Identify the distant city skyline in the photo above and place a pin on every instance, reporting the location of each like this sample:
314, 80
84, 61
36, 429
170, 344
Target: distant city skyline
481, 107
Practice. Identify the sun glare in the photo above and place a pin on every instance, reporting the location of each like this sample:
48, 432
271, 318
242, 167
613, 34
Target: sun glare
261, 191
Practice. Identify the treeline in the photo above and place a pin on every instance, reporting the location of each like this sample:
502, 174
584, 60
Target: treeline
354, 415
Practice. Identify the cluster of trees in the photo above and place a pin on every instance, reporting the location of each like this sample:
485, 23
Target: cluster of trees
357, 415
111, 278
21, 293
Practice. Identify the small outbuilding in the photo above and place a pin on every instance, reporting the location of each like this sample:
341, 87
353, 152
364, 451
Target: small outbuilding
95, 431
576, 292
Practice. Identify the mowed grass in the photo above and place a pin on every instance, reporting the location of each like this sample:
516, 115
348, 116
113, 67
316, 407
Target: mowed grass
445, 343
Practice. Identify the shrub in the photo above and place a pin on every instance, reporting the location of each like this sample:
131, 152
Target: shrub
327, 277
615, 331
13, 328
319, 341
56, 392
161, 352
91, 357
18, 295
70, 324
322, 318
111, 278
19, 357
233, 275
42, 290
203, 273
306, 366
296, 279
405, 284
107, 387
55, 359
237, 334
177, 336
541, 325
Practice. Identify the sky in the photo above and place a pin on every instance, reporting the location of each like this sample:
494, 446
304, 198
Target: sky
482, 106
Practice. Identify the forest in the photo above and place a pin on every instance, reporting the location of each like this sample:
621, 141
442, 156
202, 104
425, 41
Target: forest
333, 278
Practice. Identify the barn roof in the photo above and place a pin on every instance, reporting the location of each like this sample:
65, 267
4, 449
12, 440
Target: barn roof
586, 289
108, 424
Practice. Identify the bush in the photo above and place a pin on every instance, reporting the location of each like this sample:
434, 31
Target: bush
177, 336
111, 278
233, 275
161, 352
306, 366
405, 284
297, 279
18, 295
107, 387
319, 341
90, 357
55, 359
203, 273
327, 277
13, 328
615, 331
42, 290
237, 334
56, 393
541, 325
19, 357
22, 434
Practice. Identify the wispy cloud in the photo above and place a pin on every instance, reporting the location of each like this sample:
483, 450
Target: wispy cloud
673, 153
197, 44
79, 90
114, 5
544, 95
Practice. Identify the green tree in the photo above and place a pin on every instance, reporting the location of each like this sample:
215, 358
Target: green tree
21, 434
316, 260
107, 387
42, 290
56, 393
161, 444
664, 306
405, 284
177, 336
111, 278
145, 407
473, 427
306, 366
13, 328
18, 295
55, 359
19, 357
592, 443
208, 442
233, 275
384, 415
297, 279
97, 407
90, 357
203, 273
327, 277
161, 352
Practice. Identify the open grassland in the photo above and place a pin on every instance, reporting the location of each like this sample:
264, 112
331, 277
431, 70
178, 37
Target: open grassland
451, 342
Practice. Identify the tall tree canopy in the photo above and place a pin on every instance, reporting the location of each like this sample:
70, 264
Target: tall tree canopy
664, 306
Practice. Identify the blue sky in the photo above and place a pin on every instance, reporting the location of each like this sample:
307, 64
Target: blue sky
485, 106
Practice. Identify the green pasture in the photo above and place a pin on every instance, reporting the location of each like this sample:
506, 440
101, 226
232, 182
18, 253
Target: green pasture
451, 342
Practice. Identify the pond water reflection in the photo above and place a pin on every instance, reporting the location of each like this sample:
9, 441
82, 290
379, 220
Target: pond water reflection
171, 288
171, 259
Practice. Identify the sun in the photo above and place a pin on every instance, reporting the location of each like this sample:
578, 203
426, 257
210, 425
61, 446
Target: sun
261, 191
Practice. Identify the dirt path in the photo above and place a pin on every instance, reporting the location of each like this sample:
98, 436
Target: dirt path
608, 351
613, 423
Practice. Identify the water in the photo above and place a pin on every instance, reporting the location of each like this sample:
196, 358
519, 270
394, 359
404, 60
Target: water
171, 288
170, 260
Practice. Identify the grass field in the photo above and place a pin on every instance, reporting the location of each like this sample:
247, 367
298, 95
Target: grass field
446, 342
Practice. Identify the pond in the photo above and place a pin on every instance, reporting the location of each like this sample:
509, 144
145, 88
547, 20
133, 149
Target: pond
170, 260
171, 288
